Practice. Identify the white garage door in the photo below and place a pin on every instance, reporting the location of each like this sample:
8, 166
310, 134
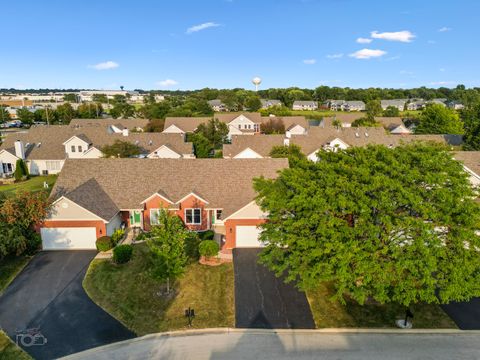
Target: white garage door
247, 236
68, 238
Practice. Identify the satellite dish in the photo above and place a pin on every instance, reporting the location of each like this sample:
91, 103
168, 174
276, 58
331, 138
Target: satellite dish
256, 81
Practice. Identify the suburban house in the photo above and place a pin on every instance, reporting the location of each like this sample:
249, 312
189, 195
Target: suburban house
217, 105
45, 148
266, 103
416, 104
394, 125
438, 101
329, 138
304, 105
342, 105
455, 105
92, 198
398, 103
244, 123
112, 125
471, 164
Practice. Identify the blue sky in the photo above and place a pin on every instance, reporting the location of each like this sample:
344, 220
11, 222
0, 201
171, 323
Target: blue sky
224, 43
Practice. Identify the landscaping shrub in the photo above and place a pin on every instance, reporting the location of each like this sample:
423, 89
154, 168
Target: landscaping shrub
141, 236
206, 235
21, 170
191, 246
208, 248
104, 243
117, 236
122, 253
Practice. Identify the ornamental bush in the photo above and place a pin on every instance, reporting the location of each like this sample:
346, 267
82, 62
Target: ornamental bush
104, 243
117, 236
208, 248
206, 235
122, 253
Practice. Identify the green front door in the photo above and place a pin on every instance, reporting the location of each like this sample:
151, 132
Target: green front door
135, 218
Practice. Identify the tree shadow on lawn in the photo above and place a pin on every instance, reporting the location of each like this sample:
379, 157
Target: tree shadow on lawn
328, 313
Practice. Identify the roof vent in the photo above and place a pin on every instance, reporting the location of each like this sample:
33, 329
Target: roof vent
38, 145
137, 142
366, 134
357, 134
150, 142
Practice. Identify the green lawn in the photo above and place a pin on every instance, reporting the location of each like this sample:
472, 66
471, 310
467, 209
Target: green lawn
328, 314
130, 295
34, 184
10, 267
10, 351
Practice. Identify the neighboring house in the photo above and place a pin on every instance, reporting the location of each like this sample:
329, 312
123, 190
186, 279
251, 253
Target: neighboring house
455, 105
335, 105
305, 105
252, 147
394, 125
440, 101
354, 106
332, 139
217, 105
112, 125
416, 104
266, 103
344, 119
244, 123
398, 103
471, 164
45, 148
92, 198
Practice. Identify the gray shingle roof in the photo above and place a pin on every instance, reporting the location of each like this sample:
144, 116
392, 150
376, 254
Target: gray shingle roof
126, 123
224, 183
261, 144
471, 159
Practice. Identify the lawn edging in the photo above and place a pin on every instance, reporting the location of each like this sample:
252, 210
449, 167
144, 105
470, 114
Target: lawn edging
326, 331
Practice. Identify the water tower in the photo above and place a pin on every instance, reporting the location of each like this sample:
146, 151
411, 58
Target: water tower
256, 81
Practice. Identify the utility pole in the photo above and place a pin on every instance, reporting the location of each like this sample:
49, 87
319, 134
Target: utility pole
46, 114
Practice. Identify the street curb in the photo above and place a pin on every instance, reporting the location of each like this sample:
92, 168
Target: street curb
326, 331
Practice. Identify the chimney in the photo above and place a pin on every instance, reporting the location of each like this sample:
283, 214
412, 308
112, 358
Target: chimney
286, 142
19, 149
125, 132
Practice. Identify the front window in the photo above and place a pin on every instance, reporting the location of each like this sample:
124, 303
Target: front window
193, 216
79, 148
73, 148
218, 215
7, 168
154, 217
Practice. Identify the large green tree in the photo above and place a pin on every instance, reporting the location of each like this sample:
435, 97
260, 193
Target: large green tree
373, 108
166, 242
121, 149
122, 110
4, 115
25, 116
393, 225
66, 113
215, 131
292, 152
438, 119
471, 121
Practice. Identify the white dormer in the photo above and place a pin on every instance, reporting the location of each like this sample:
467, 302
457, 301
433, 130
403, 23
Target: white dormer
173, 129
335, 145
164, 152
295, 130
248, 154
243, 123
76, 146
114, 129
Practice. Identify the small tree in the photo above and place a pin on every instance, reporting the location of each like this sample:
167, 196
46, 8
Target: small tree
365, 121
292, 152
374, 108
214, 131
25, 209
21, 170
167, 247
273, 126
202, 147
391, 111
253, 103
121, 149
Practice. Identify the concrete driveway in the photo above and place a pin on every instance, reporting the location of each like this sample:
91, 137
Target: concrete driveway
48, 294
264, 301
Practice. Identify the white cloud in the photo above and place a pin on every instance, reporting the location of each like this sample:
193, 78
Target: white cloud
444, 29
361, 40
402, 36
309, 61
107, 65
335, 56
201, 27
167, 83
367, 54
441, 83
